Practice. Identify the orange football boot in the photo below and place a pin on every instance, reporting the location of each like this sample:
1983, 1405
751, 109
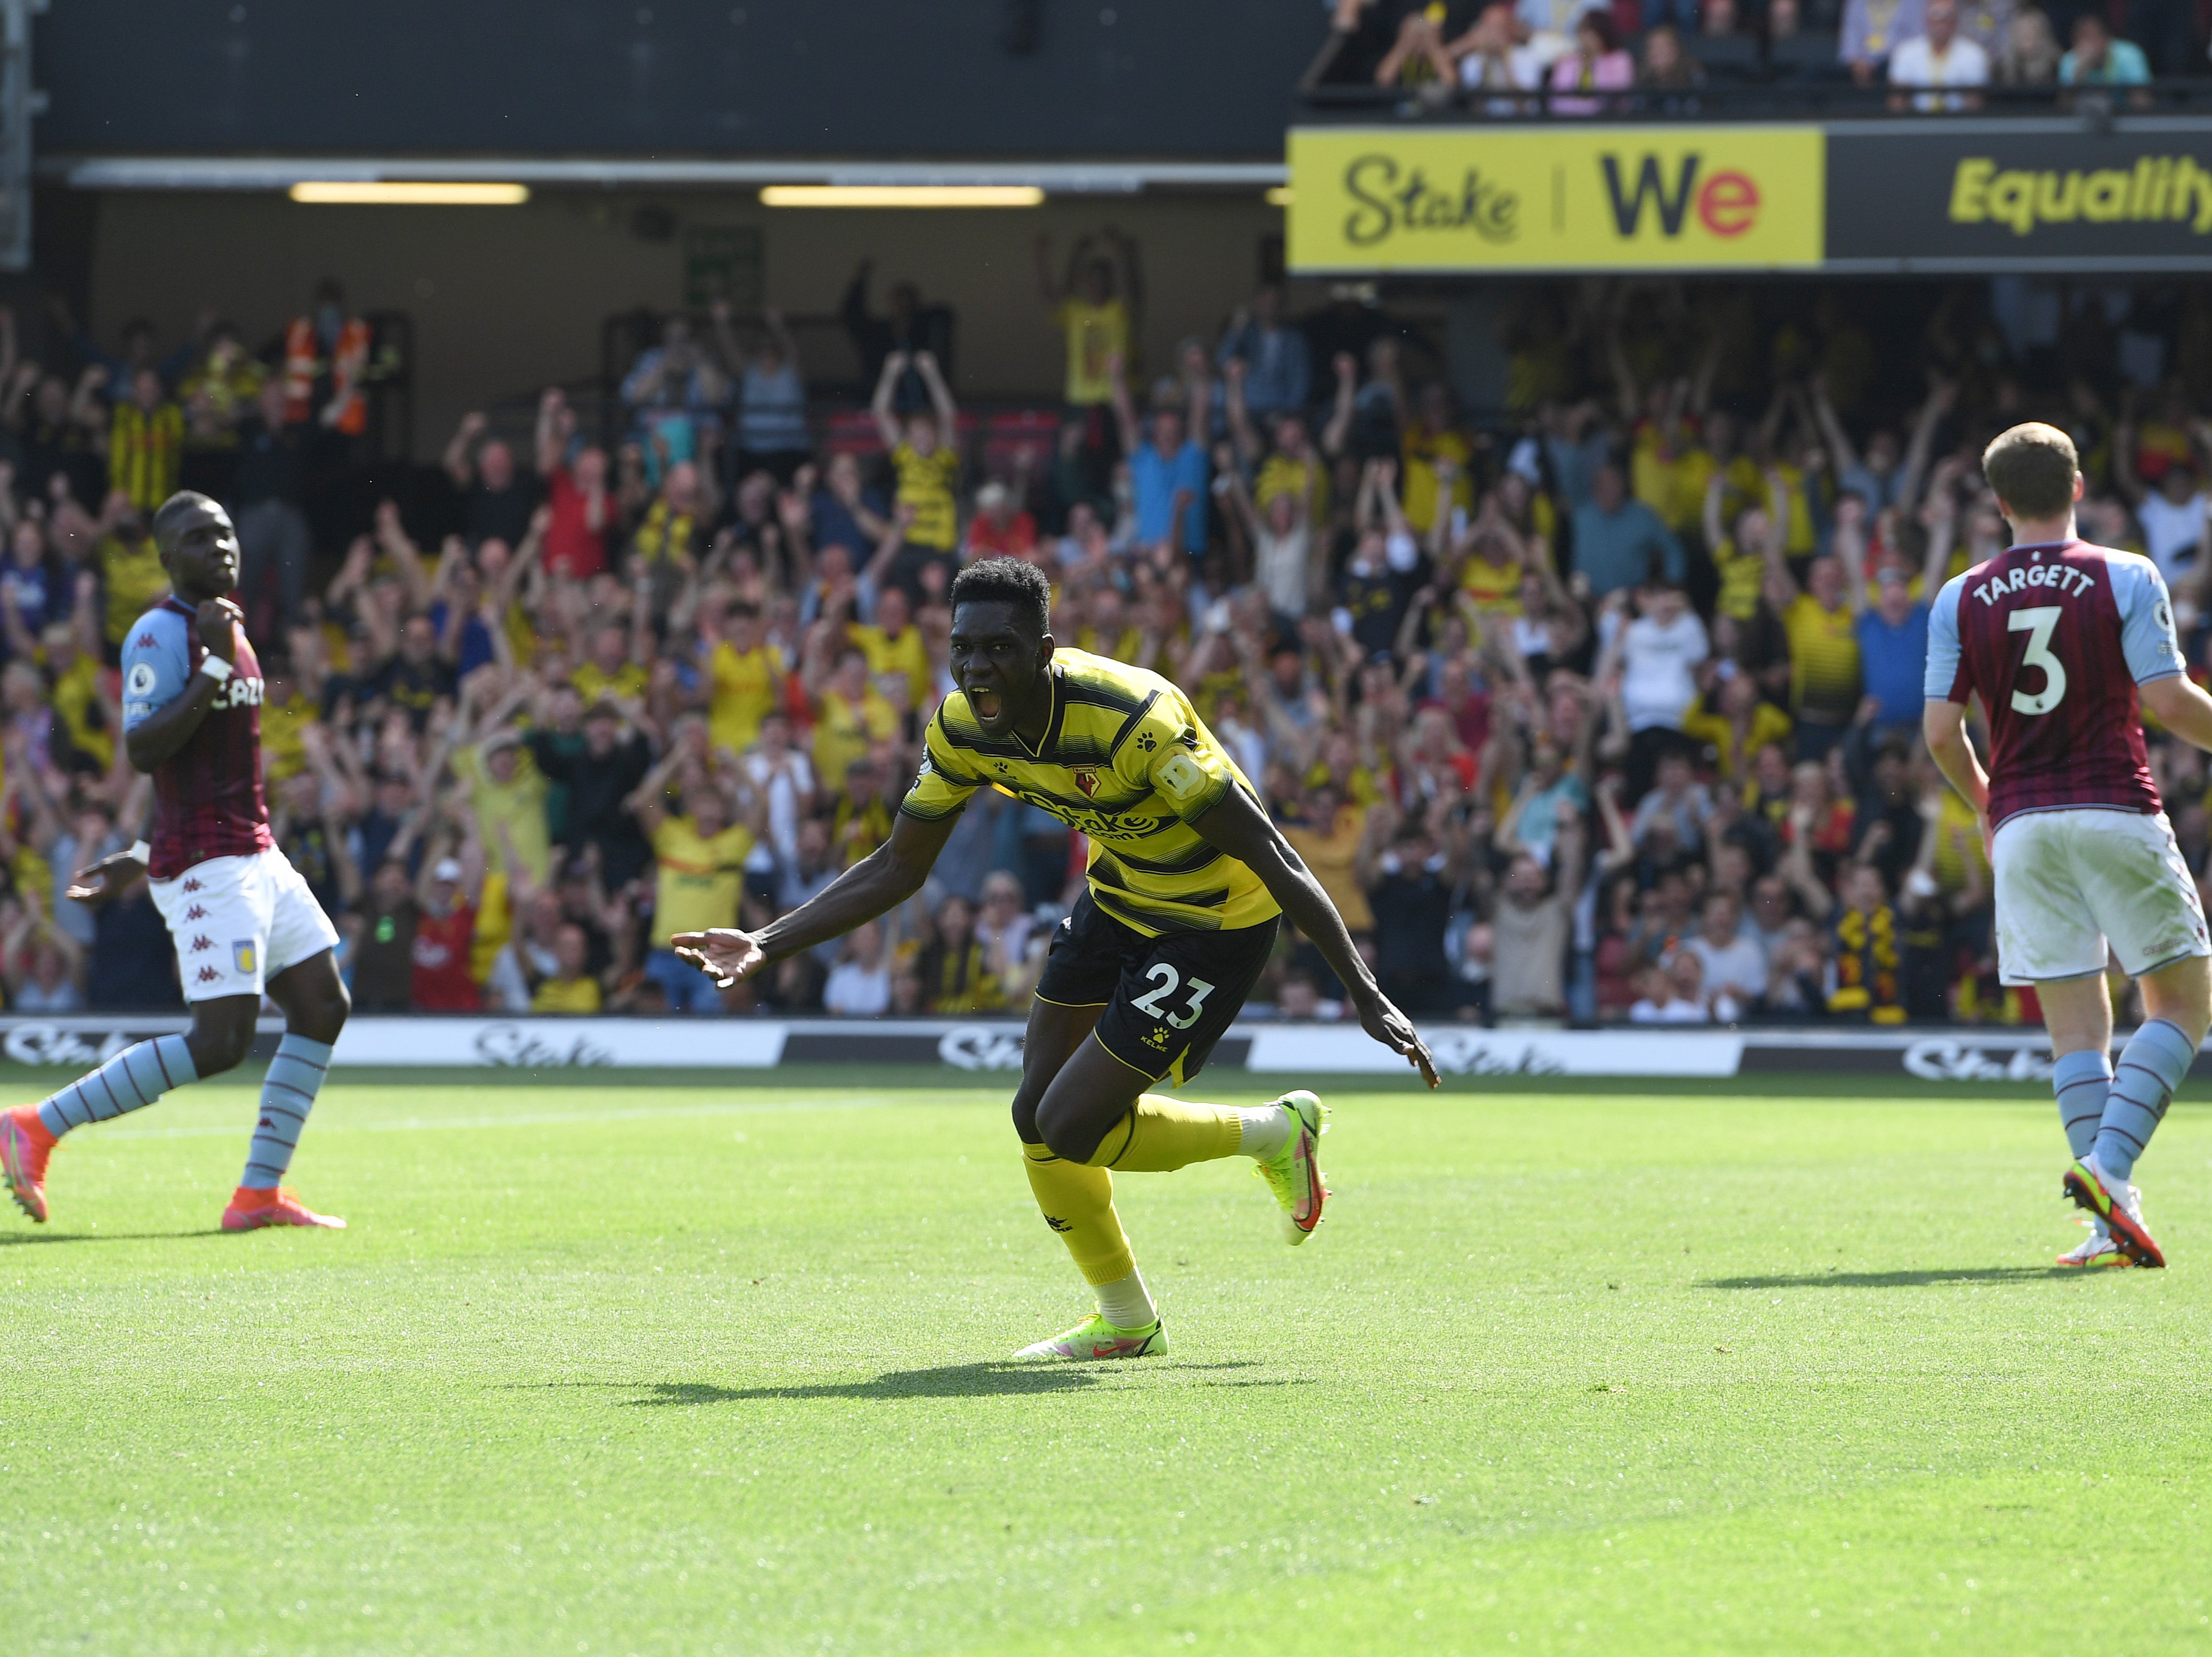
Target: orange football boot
25, 1145
252, 1208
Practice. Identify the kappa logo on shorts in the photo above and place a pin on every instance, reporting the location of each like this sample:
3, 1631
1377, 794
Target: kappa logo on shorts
202, 944
196, 913
191, 884
241, 952
209, 976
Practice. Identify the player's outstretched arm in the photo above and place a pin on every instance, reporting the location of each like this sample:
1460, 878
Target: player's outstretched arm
170, 726
2182, 708
1240, 828
877, 884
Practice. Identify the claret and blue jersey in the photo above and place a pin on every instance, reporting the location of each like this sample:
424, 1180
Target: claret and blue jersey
2056, 639
208, 798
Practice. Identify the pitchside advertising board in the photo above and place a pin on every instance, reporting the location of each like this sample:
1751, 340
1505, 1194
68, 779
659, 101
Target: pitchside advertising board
1911, 195
939, 1050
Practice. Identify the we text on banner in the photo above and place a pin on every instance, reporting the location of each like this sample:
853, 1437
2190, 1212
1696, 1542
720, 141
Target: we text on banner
1555, 198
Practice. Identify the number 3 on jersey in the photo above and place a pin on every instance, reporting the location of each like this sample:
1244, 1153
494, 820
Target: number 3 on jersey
1165, 980
2039, 622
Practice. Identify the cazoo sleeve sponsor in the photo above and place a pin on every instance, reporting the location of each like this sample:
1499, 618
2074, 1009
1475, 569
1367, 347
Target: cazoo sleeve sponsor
1602, 199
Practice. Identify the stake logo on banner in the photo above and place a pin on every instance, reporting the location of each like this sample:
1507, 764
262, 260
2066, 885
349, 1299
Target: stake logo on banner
1612, 198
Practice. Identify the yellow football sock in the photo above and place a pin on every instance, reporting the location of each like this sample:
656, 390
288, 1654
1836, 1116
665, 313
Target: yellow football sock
1078, 1204
1161, 1134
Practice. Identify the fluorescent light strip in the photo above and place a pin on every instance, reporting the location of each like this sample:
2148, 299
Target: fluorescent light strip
401, 193
893, 195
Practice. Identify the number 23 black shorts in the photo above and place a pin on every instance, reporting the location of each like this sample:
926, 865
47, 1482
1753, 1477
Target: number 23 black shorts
1168, 998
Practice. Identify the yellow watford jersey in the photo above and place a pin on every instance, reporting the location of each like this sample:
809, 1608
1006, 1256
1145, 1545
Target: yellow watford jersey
1127, 760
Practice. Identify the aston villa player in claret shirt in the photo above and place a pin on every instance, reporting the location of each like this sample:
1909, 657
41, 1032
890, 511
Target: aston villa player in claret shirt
243, 919
2065, 644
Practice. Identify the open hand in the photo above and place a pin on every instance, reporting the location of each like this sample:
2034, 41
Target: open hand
724, 954
106, 878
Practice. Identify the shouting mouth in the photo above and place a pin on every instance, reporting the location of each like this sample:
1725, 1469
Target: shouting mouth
986, 704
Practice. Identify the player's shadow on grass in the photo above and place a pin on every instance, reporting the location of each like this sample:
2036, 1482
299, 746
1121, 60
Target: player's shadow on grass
999, 1379
1899, 1279
14, 1239
952, 1380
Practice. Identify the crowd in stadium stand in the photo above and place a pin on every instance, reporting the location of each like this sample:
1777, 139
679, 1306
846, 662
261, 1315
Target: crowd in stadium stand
1603, 706
1654, 55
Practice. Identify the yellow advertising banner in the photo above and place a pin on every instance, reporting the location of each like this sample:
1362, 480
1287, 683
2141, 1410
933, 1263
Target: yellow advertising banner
1558, 197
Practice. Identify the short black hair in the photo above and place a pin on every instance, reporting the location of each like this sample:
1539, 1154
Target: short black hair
1006, 581
173, 510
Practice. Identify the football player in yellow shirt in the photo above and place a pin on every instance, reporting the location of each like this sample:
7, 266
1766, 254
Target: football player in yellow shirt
1189, 878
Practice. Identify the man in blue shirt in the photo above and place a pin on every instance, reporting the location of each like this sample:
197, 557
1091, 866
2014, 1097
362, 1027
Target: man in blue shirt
1891, 623
1169, 472
1619, 542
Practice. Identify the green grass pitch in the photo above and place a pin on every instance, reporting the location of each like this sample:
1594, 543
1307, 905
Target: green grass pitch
683, 1369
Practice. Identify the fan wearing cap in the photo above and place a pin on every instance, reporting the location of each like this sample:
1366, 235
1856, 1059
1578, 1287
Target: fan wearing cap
446, 895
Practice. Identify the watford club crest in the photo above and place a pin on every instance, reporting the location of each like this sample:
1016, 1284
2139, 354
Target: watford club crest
1086, 779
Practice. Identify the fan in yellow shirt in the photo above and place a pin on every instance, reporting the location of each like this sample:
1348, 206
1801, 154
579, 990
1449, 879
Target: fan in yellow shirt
571, 989
699, 877
850, 717
1736, 723
744, 681
924, 454
892, 644
1099, 322
616, 666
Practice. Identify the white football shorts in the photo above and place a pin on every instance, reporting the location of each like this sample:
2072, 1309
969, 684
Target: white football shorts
239, 921
2069, 882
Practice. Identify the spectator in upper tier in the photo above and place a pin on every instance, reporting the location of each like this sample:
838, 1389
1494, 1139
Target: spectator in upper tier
1942, 57
2098, 59
1596, 64
1666, 67
1872, 30
2029, 55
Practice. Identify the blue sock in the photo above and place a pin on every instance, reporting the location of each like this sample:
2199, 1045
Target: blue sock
295, 1076
2151, 1066
133, 1079
2081, 1080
